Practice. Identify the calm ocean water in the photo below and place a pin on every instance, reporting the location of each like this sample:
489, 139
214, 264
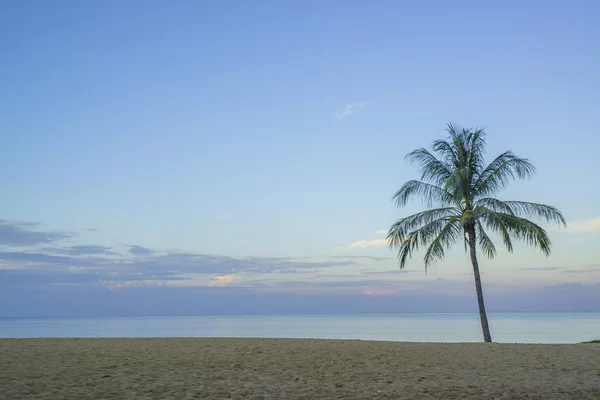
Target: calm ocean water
506, 327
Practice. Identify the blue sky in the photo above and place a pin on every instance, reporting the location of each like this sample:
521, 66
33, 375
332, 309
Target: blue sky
250, 149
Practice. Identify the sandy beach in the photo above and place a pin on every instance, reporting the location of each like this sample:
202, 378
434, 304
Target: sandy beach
293, 369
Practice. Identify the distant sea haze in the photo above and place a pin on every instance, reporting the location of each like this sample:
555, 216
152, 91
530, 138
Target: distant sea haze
416, 327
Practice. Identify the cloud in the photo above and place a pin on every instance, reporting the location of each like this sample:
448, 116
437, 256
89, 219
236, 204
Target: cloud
362, 244
540, 269
350, 283
392, 272
76, 266
21, 234
357, 285
588, 226
349, 109
140, 251
576, 271
586, 269
343, 283
37, 258
37, 277
565, 270
223, 280
118, 285
83, 250
363, 257
380, 292
584, 226
565, 286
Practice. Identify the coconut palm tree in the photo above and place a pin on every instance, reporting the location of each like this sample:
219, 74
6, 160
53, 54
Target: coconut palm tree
458, 183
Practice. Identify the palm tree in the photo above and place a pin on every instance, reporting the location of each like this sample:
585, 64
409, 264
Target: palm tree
461, 186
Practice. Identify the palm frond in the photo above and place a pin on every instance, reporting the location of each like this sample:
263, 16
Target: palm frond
486, 244
522, 209
476, 147
401, 236
444, 239
506, 239
541, 211
483, 204
500, 172
405, 250
521, 228
432, 169
446, 151
429, 193
404, 226
456, 184
463, 151
459, 137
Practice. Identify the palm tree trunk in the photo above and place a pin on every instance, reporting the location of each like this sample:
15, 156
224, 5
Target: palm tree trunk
487, 337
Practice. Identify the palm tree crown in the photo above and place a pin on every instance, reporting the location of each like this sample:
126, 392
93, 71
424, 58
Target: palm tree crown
460, 186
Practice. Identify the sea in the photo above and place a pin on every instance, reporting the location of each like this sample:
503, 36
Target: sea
406, 327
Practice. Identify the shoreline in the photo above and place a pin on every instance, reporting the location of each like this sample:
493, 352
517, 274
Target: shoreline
108, 338
240, 368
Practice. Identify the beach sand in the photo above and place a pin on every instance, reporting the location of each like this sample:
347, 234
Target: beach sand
293, 369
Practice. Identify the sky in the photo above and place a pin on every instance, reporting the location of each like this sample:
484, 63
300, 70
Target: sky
222, 157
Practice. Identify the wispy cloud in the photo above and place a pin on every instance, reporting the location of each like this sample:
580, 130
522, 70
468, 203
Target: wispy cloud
580, 227
362, 244
392, 272
82, 250
140, 251
337, 283
584, 226
592, 268
380, 242
98, 265
348, 109
25, 234
223, 280
380, 292
363, 257
118, 285
539, 269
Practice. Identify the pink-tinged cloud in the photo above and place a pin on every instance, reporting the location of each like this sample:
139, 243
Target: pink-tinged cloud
223, 280
363, 244
380, 292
